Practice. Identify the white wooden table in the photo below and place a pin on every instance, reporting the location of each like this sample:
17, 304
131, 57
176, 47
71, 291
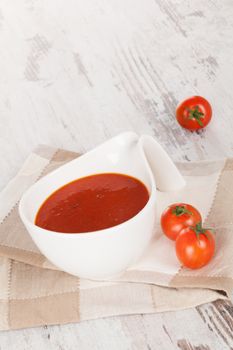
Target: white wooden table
74, 73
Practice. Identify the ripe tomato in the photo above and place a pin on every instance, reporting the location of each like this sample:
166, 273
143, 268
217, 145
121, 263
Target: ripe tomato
194, 113
177, 217
195, 246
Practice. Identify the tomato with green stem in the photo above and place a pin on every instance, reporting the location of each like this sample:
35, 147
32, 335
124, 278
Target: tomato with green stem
195, 246
177, 217
194, 113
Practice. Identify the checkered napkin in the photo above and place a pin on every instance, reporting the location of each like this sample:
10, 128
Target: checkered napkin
34, 292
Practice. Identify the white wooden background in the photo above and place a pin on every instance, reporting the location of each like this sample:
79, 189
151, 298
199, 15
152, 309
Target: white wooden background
74, 73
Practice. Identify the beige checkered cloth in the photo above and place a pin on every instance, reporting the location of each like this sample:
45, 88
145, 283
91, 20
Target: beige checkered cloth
33, 292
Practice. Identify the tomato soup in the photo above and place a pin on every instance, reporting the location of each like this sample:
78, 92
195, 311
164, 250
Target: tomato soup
92, 203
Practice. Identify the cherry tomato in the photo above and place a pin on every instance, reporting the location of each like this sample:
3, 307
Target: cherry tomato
194, 113
195, 246
177, 217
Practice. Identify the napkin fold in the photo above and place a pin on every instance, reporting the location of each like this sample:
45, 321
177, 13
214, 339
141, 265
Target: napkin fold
34, 292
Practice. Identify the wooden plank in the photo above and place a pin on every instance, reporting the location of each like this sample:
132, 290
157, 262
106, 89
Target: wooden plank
206, 327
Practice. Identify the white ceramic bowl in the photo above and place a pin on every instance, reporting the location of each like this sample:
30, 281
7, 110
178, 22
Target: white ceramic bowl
105, 253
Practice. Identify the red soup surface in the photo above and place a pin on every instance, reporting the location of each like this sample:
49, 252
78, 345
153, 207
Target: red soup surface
92, 203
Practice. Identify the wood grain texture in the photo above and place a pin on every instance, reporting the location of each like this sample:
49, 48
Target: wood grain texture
74, 73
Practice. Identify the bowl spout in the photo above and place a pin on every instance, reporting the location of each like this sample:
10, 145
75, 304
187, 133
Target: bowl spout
167, 176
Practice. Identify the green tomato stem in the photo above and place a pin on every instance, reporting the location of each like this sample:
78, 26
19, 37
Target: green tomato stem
196, 114
181, 210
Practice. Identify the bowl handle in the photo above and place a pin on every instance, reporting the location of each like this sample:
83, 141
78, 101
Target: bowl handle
167, 176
